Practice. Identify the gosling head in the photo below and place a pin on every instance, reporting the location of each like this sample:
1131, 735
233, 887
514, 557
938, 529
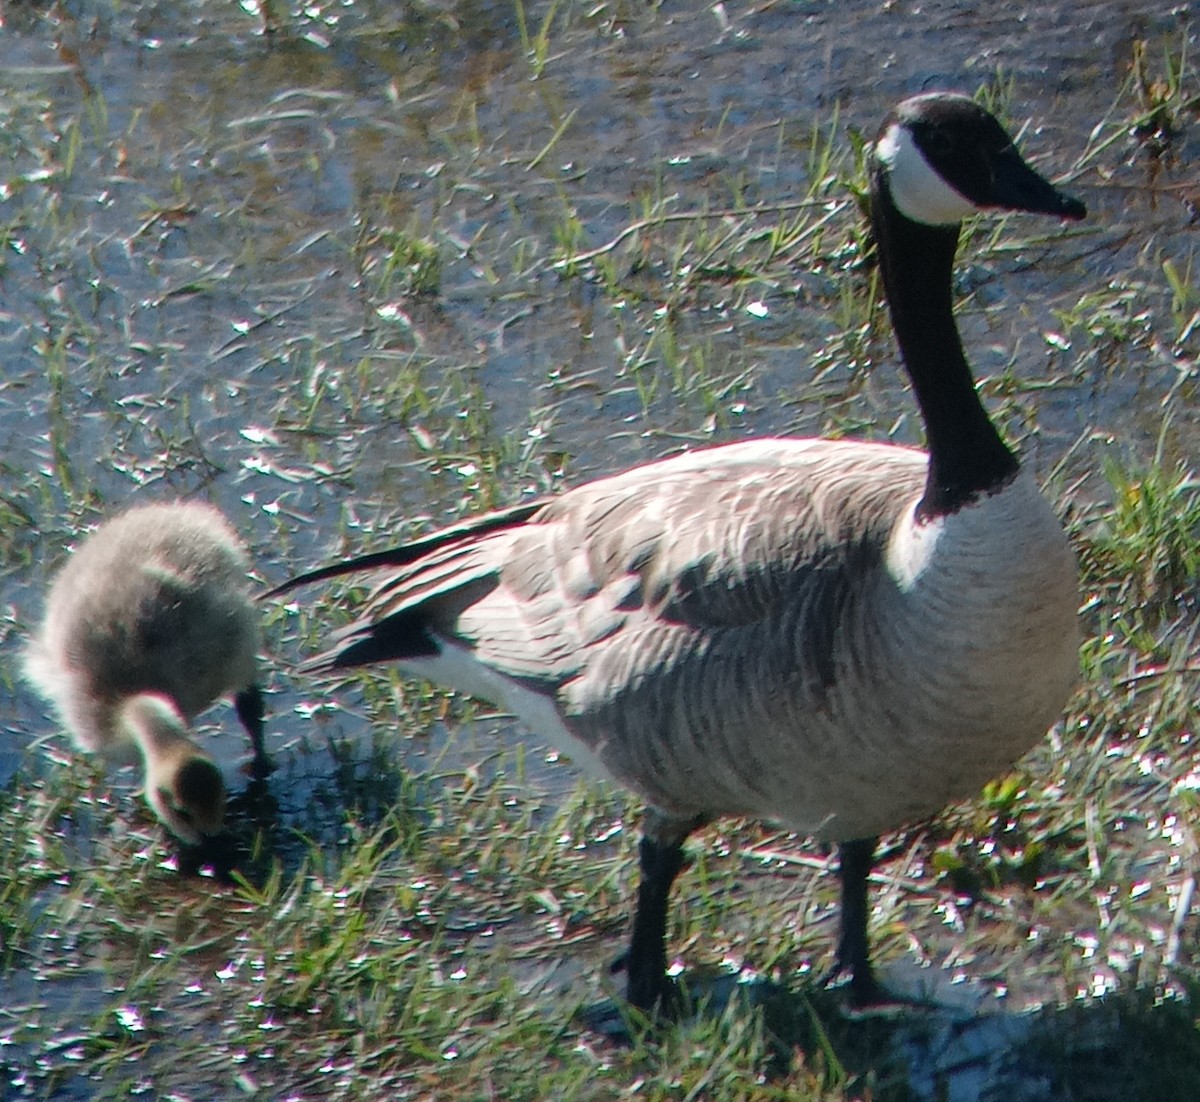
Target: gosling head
183, 784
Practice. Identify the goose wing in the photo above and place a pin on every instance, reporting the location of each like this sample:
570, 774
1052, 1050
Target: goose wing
665, 556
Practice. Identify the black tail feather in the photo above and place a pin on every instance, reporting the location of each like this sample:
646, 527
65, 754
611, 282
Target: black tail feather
410, 552
392, 639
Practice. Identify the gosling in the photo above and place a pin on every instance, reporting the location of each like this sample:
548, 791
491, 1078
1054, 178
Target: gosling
148, 623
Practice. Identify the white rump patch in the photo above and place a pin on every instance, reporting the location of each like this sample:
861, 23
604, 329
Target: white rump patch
457, 667
917, 190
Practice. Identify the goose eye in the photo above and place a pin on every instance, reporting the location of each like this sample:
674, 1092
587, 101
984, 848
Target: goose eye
938, 143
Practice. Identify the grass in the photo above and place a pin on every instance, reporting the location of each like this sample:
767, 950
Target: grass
433, 261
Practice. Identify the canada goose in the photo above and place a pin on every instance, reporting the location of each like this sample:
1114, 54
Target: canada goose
840, 637
145, 626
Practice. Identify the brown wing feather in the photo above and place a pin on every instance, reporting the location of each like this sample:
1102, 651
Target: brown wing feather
714, 540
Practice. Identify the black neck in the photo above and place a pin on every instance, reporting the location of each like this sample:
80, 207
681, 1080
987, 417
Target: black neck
967, 458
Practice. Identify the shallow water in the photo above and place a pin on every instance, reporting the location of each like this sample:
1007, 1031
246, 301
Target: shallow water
186, 193
197, 216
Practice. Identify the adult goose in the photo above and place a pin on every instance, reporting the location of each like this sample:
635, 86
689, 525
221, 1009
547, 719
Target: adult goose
839, 637
150, 621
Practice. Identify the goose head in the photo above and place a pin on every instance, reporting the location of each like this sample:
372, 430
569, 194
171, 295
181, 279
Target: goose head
183, 784
940, 158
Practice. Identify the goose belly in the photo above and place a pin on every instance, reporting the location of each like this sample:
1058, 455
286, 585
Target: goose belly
950, 660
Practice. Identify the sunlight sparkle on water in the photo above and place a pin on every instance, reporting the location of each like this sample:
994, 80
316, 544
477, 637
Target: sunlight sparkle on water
130, 1019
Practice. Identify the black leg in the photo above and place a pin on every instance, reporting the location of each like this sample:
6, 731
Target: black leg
250, 709
661, 854
854, 955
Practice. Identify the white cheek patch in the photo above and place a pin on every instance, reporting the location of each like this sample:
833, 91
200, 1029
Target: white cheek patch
917, 190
